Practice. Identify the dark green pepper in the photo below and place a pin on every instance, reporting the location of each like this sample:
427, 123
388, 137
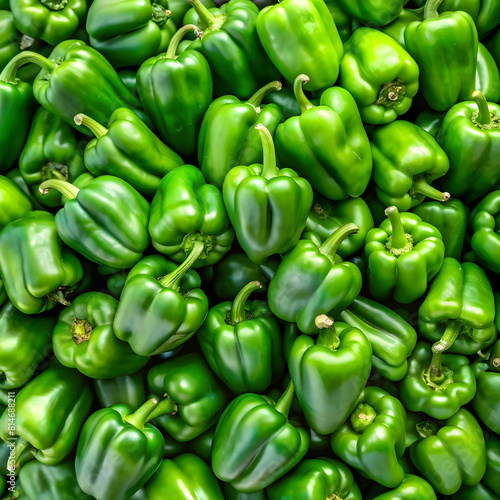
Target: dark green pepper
10, 38
486, 402
373, 12
14, 203
412, 488
487, 74
430, 121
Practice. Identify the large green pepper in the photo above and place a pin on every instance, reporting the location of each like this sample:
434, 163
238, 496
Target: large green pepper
118, 451
25, 342
267, 206
484, 12
373, 12
186, 209
195, 396
402, 175
127, 32
304, 143
316, 479
228, 137
241, 342
40, 271
176, 92
487, 74
373, 439
450, 452
461, 299
412, 488
49, 413
300, 36
50, 20
185, 477
14, 203
161, 305
403, 255
391, 337
383, 91
486, 402
310, 282
92, 222
445, 48
255, 443
329, 373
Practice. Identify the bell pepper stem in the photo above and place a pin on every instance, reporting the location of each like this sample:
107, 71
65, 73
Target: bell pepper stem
179, 35
203, 13
21, 448
484, 116
298, 90
270, 169
399, 239
332, 243
10, 71
426, 429
362, 417
59, 296
285, 402
142, 414
173, 279
64, 187
238, 313
452, 331
421, 186
166, 406
256, 99
54, 4
160, 15
430, 9
80, 331
434, 373
327, 334
95, 127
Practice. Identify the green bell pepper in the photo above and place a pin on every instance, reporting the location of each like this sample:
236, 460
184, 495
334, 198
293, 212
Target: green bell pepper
179, 8
267, 206
430, 121
343, 22
403, 255
285, 100
492, 475
403, 175
25, 342
412, 488
185, 477
450, 453
391, 337
118, 451
487, 74
228, 137
161, 305
397, 28
477, 492
41, 271
486, 402
194, 399
255, 443
127, 32
437, 384
304, 143
310, 281
373, 439
373, 12
92, 223
10, 38
300, 36
484, 12
176, 92
241, 342
49, 413
14, 203
14, 174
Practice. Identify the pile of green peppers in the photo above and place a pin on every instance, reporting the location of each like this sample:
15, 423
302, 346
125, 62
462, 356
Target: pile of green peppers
249, 250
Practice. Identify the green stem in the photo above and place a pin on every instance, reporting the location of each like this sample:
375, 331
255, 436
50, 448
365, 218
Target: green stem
332, 243
142, 414
59, 296
22, 447
391, 93
285, 402
298, 90
95, 127
238, 308
206, 17
179, 35
435, 370
173, 279
484, 116
421, 186
10, 71
80, 331
426, 429
452, 331
269, 169
159, 15
399, 240
327, 335
256, 99
54, 4
64, 187
431, 9
363, 416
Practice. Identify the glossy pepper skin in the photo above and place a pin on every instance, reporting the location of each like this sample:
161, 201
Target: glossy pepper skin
195, 398
91, 221
41, 271
241, 342
254, 442
460, 294
391, 337
182, 478
382, 91
412, 488
373, 12
186, 209
25, 342
161, 305
14, 203
445, 49
450, 452
310, 281
397, 28
316, 479
403, 254
403, 175
142, 162
486, 402
49, 428
176, 91
329, 373
52, 21
487, 74
304, 143
373, 439
228, 137
118, 451
127, 32
267, 206
300, 36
